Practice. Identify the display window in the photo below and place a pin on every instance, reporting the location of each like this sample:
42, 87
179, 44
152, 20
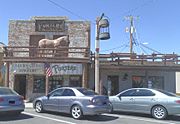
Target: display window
75, 81
55, 82
151, 82
39, 84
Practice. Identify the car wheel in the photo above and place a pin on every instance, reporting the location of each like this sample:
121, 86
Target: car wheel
38, 107
76, 112
159, 112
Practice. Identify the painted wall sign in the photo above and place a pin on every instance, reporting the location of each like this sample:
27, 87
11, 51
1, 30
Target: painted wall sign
50, 25
66, 69
27, 68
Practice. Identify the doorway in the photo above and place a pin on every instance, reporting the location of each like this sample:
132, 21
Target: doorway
114, 84
20, 85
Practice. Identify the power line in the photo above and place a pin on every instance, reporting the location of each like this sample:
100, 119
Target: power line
134, 9
113, 48
150, 48
58, 5
138, 7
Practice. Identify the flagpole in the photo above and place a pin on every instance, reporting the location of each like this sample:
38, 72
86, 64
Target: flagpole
47, 84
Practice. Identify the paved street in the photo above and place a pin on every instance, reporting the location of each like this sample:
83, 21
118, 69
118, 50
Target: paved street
29, 116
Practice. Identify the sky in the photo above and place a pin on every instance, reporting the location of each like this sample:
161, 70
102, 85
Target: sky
157, 23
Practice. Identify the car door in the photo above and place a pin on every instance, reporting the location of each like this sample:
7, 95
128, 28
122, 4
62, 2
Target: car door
143, 100
52, 101
66, 100
124, 101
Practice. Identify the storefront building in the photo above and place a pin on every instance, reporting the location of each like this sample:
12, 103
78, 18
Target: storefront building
26, 57
72, 64
116, 76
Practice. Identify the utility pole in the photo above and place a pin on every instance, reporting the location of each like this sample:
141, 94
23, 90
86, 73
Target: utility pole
131, 31
131, 34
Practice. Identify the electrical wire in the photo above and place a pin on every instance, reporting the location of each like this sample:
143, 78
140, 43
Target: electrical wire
138, 7
58, 5
113, 48
130, 11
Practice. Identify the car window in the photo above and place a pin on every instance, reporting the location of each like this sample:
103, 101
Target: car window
128, 93
143, 92
7, 91
167, 93
87, 92
68, 92
57, 92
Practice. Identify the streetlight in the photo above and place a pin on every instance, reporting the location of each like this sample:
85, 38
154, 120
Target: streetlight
102, 33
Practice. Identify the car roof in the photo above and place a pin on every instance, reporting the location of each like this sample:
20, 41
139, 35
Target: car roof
67, 87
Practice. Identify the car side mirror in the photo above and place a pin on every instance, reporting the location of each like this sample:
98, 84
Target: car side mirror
119, 97
48, 95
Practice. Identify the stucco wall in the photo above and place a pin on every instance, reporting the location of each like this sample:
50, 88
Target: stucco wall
178, 82
170, 78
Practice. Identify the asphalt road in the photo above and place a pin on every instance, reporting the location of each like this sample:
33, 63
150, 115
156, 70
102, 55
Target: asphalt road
29, 116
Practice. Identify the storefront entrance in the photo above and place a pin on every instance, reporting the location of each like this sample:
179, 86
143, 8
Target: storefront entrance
114, 84
20, 84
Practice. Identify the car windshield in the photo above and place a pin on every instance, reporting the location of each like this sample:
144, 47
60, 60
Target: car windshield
167, 93
7, 91
87, 92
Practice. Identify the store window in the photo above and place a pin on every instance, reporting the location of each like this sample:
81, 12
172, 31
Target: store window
55, 82
157, 82
75, 81
138, 81
39, 84
152, 82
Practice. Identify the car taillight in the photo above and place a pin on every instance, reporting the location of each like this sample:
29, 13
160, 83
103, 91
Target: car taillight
95, 101
92, 101
177, 101
1, 99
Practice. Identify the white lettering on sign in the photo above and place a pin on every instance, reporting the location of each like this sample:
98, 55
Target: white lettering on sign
66, 69
28, 68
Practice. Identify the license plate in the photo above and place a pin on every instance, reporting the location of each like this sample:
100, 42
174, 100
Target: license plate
11, 102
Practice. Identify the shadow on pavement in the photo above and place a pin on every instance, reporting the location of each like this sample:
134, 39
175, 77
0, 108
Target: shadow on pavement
100, 118
170, 118
174, 118
133, 114
7, 117
88, 117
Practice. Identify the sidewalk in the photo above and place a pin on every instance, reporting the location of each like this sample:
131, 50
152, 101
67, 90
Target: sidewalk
28, 104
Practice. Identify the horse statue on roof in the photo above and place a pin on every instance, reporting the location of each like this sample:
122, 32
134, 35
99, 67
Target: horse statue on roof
56, 43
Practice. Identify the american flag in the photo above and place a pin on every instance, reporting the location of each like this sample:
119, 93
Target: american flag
48, 69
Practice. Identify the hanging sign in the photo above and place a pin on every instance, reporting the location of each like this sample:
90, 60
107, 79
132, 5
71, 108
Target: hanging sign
27, 68
66, 69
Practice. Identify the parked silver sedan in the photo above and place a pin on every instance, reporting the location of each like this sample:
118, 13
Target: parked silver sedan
10, 101
158, 103
76, 101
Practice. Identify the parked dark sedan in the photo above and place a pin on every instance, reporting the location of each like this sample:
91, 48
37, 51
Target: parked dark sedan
10, 101
158, 103
76, 101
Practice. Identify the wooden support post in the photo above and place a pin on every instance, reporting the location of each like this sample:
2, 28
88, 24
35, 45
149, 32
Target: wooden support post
47, 84
7, 75
85, 76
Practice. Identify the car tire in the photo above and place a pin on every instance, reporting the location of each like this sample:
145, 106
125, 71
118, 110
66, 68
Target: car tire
76, 112
159, 112
39, 107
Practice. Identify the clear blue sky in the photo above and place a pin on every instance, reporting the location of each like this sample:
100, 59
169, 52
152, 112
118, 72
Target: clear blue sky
158, 23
